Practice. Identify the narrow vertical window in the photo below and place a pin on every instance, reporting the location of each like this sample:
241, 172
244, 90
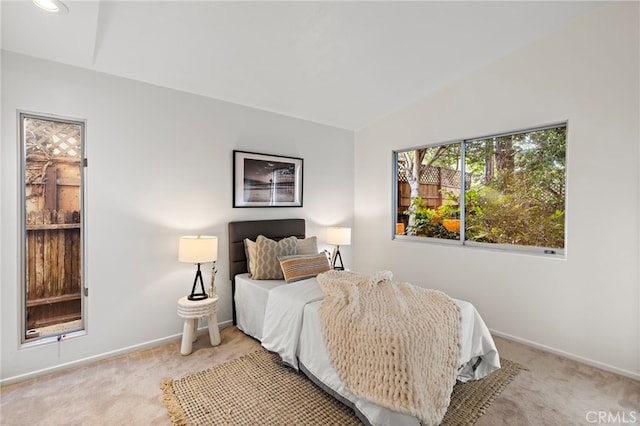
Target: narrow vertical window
52, 214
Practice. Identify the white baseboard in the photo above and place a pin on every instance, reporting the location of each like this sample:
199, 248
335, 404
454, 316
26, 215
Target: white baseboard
583, 360
225, 324
105, 355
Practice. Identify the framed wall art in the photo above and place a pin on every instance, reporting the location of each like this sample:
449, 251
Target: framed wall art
263, 180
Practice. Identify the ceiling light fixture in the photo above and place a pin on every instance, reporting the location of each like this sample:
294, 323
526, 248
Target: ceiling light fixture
55, 6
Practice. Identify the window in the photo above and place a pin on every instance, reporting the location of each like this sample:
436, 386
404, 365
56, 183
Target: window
506, 190
52, 223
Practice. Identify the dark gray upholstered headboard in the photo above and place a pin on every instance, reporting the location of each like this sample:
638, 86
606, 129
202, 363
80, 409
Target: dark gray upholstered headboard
275, 229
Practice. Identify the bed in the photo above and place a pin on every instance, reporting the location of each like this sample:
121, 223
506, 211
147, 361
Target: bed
295, 331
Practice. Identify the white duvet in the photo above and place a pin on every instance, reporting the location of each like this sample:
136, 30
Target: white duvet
292, 328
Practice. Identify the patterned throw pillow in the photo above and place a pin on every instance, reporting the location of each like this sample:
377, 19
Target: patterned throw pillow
307, 246
267, 266
300, 267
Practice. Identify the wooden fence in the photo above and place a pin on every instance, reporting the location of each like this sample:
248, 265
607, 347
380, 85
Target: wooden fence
432, 181
54, 267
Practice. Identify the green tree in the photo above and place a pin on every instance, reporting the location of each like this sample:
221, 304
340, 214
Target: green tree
519, 199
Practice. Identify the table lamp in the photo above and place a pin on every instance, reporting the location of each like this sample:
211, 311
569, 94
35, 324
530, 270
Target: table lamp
198, 249
338, 236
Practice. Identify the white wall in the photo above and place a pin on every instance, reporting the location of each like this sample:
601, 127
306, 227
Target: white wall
160, 166
587, 306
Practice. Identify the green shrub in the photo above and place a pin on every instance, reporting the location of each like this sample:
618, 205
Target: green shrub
427, 222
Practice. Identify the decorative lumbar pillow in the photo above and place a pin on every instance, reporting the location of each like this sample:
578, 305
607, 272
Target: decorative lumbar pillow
308, 245
267, 265
300, 267
250, 252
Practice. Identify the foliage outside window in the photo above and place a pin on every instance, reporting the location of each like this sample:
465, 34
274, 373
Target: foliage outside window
506, 190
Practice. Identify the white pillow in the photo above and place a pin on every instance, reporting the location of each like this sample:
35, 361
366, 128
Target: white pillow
250, 253
308, 245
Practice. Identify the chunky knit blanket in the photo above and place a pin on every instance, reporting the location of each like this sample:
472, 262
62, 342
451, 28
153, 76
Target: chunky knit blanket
394, 344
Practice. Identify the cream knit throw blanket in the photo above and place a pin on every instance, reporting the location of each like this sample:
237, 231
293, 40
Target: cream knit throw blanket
394, 344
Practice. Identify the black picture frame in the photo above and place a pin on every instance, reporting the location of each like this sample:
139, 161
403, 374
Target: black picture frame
264, 180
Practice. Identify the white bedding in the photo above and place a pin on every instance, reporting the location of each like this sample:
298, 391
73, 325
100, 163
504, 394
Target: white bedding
251, 302
286, 320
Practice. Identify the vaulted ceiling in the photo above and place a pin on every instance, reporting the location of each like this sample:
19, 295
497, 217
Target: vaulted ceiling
345, 64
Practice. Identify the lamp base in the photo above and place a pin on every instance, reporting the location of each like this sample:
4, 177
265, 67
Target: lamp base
198, 296
337, 257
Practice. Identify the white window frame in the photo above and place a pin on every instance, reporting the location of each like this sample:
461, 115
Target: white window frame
462, 242
22, 236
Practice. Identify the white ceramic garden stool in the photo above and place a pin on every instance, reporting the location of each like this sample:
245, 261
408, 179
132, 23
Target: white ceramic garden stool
192, 311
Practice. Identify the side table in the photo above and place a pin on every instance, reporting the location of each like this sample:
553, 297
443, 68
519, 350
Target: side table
191, 311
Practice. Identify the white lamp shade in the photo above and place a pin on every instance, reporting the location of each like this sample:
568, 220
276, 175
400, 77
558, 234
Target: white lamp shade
339, 236
198, 249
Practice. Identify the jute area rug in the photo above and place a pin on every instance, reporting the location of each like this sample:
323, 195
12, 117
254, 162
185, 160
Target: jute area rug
257, 389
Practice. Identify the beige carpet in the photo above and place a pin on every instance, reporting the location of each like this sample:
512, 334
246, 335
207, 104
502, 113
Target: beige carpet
258, 389
124, 390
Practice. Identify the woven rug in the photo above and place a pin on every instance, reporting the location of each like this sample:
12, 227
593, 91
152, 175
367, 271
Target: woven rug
257, 389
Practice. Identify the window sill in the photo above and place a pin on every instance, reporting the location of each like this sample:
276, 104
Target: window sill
558, 254
39, 341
